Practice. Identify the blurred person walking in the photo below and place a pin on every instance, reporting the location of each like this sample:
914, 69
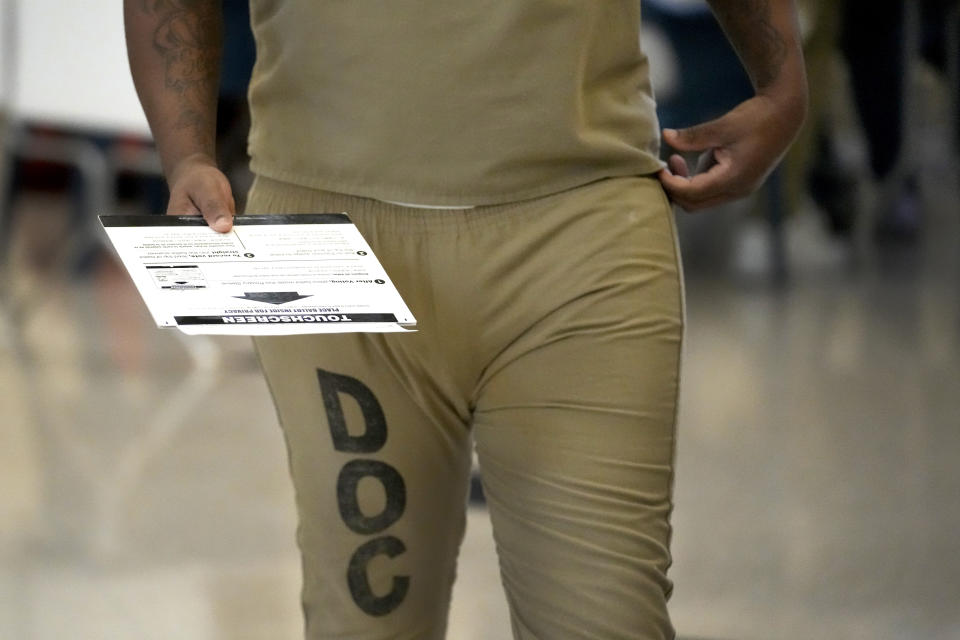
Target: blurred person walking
501, 158
873, 38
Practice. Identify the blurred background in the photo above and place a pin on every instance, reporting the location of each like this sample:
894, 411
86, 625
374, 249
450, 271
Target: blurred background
143, 483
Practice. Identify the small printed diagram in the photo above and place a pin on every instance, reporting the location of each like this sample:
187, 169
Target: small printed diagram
186, 276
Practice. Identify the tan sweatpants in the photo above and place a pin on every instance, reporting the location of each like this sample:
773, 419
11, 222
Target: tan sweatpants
549, 334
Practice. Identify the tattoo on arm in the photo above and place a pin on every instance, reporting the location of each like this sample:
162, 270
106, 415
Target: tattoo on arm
187, 38
749, 26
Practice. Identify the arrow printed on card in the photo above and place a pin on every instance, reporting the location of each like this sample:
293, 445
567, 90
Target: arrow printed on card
272, 297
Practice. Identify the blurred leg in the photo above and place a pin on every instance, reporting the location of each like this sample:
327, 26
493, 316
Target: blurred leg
873, 43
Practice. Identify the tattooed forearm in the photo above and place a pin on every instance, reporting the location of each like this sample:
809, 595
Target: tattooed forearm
749, 26
187, 38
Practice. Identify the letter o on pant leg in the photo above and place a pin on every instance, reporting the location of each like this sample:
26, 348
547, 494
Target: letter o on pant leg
349, 504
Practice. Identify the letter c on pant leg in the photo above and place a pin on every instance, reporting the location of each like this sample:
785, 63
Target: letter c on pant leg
359, 581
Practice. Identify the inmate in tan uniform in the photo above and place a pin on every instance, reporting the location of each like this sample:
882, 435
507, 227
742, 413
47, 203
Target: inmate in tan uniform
550, 315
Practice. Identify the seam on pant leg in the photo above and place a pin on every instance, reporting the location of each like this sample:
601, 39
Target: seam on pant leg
681, 348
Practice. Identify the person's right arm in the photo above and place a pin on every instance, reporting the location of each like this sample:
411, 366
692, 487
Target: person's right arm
174, 48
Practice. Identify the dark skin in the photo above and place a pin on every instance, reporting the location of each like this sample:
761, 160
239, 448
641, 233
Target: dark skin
174, 51
739, 149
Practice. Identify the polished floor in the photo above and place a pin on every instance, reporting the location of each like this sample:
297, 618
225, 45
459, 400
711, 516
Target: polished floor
143, 488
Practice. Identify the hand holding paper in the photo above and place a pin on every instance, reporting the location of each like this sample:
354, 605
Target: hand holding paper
270, 275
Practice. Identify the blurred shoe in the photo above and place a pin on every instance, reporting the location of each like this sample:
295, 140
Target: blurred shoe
834, 193
833, 188
899, 218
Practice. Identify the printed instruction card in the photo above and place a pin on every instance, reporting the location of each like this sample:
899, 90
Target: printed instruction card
270, 275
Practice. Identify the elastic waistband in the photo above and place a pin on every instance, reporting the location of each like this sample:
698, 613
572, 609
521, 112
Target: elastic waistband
293, 198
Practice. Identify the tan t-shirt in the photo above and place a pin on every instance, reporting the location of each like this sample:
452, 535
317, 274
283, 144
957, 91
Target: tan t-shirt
450, 102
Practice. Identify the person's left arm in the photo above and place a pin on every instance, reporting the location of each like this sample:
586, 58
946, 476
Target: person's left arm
739, 149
